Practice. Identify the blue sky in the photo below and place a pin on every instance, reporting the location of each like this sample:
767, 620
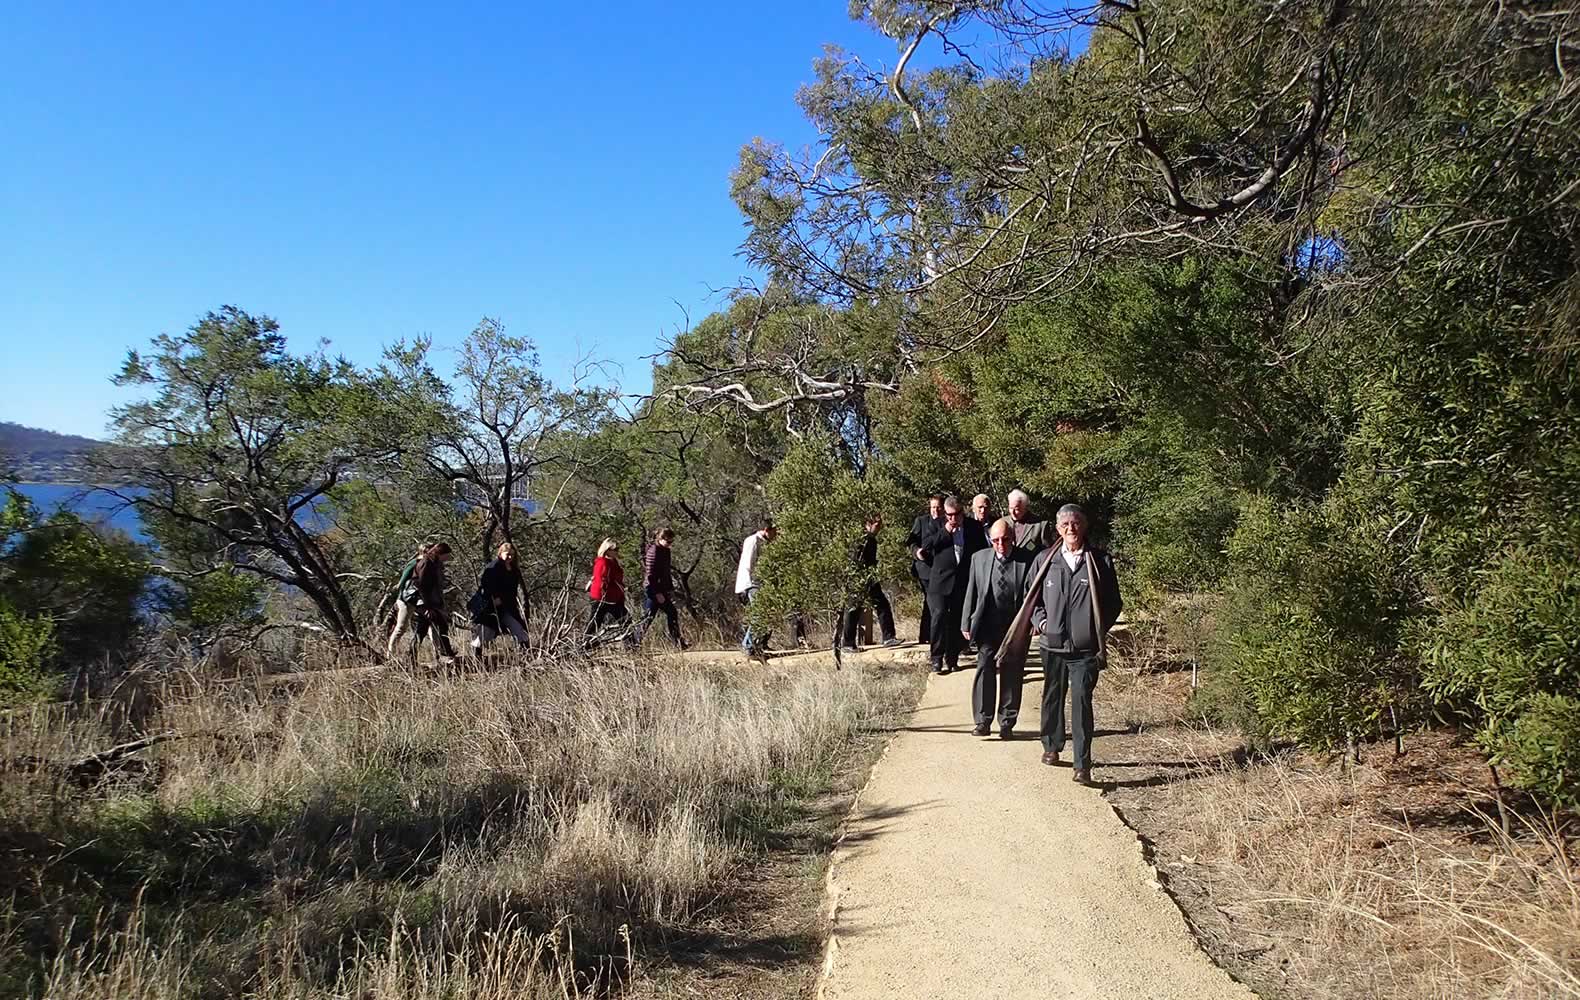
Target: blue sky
365, 173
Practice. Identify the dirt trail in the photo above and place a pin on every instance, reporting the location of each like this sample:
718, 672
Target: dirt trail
970, 869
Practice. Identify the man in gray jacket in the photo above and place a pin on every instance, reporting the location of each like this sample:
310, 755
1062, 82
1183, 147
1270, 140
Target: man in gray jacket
995, 590
1078, 603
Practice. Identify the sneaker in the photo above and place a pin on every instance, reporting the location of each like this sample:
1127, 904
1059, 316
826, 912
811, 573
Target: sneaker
891, 643
849, 649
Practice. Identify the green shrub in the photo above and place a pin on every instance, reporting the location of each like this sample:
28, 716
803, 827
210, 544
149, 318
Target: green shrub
27, 648
1509, 658
1312, 618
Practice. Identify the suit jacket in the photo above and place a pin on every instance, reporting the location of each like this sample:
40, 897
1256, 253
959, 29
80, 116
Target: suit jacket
921, 529
979, 619
1036, 536
946, 576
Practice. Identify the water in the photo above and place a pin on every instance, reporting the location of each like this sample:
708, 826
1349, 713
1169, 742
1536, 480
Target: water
87, 503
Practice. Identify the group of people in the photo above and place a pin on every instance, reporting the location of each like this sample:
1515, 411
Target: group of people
495, 607
998, 583
994, 583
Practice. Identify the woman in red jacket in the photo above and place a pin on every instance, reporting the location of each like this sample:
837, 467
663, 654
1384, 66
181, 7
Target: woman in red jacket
607, 590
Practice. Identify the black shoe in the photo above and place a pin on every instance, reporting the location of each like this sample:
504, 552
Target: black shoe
1082, 776
982, 729
1006, 732
1051, 758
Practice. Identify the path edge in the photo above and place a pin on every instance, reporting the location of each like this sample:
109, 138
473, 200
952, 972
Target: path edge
831, 892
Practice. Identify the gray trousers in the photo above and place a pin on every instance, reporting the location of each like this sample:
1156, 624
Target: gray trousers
1077, 673
994, 690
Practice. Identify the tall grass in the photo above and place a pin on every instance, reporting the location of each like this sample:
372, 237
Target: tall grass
1372, 886
514, 834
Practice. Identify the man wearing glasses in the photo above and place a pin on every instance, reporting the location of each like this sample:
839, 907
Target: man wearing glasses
947, 552
999, 580
1078, 603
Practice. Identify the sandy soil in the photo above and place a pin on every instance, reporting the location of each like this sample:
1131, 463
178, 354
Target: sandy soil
970, 869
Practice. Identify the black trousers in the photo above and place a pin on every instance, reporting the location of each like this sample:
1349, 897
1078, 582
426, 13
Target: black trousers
670, 614
604, 612
945, 640
995, 690
439, 623
1076, 673
926, 630
880, 604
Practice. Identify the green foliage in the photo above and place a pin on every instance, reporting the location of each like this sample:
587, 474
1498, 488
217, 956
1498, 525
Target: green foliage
821, 508
1310, 628
27, 648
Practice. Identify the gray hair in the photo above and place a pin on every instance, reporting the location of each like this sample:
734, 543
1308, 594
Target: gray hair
1018, 495
1072, 511
951, 502
1007, 524
980, 496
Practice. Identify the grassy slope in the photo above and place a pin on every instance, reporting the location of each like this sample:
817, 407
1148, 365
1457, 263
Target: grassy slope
504, 835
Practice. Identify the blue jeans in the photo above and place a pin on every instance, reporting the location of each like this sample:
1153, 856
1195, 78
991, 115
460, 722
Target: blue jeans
749, 642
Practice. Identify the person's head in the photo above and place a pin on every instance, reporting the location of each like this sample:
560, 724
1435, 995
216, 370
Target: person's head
874, 523
422, 549
439, 551
1019, 504
1002, 536
665, 537
981, 507
953, 514
608, 548
768, 530
506, 553
935, 506
1071, 523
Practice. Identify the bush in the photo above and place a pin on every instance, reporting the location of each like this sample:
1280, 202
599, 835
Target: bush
27, 646
1311, 622
1509, 658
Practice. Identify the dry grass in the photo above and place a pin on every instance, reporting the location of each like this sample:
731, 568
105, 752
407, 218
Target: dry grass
515, 834
1311, 877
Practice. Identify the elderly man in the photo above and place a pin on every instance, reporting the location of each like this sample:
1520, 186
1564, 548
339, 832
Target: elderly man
1078, 604
997, 586
982, 510
947, 553
921, 529
1031, 534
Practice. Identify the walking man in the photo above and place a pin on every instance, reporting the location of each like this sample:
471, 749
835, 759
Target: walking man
1031, 533
1078, 604
999, 579
658, 585
947, 552
921, 529
746, 585
982, 511
867, 558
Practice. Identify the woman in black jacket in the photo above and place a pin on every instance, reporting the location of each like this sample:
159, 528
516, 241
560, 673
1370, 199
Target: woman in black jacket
495, 609
427, 600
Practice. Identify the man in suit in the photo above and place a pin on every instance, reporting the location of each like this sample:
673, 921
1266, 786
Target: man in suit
1031, 533
995, 589
947, 552
866, 556
1077, 604
921, 529
982, 511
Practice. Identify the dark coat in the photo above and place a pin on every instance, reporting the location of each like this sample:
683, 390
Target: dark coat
1077, 633
978, 619
429, 580
946, 577
921, 529
504, 582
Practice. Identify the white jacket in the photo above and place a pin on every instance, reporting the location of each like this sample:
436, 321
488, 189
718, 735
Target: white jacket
744, 573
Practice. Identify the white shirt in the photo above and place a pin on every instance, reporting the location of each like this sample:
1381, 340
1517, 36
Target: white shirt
1072, 559
750, 550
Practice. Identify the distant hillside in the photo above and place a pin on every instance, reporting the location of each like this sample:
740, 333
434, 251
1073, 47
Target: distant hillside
41, 456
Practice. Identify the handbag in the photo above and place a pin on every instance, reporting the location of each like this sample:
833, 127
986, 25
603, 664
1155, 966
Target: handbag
478, 605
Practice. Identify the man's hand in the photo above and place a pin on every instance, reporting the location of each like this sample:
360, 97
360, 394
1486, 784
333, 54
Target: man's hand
967, 633
921, 553
498, 601
658, 598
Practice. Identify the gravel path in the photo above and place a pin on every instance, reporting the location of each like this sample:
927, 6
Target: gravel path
971, 870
